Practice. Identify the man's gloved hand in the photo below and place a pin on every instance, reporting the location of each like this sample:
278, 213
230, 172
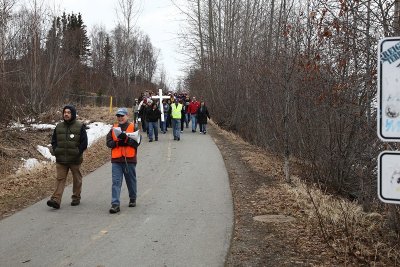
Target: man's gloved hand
122, 143
122, 136
132, 143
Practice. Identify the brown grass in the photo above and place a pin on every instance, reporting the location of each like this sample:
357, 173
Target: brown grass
345, 226
27, 187
353, 236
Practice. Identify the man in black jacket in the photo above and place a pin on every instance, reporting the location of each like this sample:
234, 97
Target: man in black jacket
69, 140
153, 115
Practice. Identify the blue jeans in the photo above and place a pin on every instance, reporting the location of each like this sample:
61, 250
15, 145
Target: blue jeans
164, 126
176, 126
203, 128
128, 170
187, 119
153, 127
193, 118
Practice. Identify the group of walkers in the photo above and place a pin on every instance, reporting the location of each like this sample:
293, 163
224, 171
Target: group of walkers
69, 141
178, 111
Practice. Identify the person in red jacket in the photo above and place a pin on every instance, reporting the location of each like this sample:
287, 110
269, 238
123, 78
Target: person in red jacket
192, 110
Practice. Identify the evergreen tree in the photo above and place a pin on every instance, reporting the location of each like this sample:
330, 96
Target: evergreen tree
108, 58
75, 42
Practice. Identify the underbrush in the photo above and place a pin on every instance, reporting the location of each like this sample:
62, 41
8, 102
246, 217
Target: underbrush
346, 228
357, 238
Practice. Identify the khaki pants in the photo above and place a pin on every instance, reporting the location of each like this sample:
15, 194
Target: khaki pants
62, 172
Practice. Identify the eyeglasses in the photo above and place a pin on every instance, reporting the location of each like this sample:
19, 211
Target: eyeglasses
119, 116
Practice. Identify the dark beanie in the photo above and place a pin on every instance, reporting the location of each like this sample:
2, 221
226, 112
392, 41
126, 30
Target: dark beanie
73, 111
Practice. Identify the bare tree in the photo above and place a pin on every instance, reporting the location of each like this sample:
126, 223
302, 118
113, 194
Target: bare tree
128, 12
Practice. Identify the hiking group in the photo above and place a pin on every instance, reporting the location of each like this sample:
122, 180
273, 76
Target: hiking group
69, 141
178, 111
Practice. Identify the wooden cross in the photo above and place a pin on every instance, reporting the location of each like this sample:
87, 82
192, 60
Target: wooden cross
161, 97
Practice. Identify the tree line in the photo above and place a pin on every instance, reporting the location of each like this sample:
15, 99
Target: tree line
299, 78
46, 60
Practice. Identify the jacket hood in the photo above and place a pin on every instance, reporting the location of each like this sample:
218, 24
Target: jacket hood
73, 111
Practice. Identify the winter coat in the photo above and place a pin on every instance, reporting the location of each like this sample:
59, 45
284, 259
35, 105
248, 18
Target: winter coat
153, 115
202, 115
69, 140
112, 143
193, 107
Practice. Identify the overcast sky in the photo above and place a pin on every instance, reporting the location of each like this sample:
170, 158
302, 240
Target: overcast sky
159, 19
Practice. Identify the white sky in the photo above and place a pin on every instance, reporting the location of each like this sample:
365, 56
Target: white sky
159, 19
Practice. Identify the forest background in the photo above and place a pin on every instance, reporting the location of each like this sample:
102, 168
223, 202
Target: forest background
298, 78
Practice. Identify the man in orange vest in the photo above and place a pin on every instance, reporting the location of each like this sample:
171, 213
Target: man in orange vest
123, 160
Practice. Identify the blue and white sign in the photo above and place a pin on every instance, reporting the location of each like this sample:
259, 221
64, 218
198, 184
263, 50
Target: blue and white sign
389, 89
389, 177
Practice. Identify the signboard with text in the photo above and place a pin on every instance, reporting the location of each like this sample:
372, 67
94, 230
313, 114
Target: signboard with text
389, 177
389, 89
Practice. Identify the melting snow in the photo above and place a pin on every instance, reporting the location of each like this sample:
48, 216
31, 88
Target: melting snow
96, 131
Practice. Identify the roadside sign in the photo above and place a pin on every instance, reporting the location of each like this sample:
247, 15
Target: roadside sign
389, 89
389, 177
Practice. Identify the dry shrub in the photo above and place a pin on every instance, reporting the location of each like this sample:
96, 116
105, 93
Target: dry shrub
103, 114
353, 235
345, 227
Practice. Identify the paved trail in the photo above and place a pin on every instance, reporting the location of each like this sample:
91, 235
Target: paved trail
183, 217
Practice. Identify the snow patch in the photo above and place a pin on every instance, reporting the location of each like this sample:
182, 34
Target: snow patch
45, 151
43, 126
96, 131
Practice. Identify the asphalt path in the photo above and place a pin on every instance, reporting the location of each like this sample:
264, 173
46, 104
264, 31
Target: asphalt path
183, 217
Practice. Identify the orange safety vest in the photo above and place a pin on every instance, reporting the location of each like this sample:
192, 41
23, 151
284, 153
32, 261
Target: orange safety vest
123, 151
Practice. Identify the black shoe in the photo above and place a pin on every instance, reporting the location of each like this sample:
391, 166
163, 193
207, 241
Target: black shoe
175, 138
132, 203
193, 131
52, 203
156, 139
114, 209
150, 140
178, 139
75, 202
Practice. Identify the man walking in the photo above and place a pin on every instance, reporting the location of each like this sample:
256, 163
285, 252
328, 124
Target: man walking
176, 115
123, 159
153, 115
192, 110
69, 140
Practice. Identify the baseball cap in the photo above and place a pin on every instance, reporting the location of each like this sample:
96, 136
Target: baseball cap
122, 111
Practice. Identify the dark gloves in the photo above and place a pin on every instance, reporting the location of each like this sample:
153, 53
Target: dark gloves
122, 139
122, 143
122, 136
132, 143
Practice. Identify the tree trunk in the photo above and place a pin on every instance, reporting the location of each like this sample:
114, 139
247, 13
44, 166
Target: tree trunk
396, 18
